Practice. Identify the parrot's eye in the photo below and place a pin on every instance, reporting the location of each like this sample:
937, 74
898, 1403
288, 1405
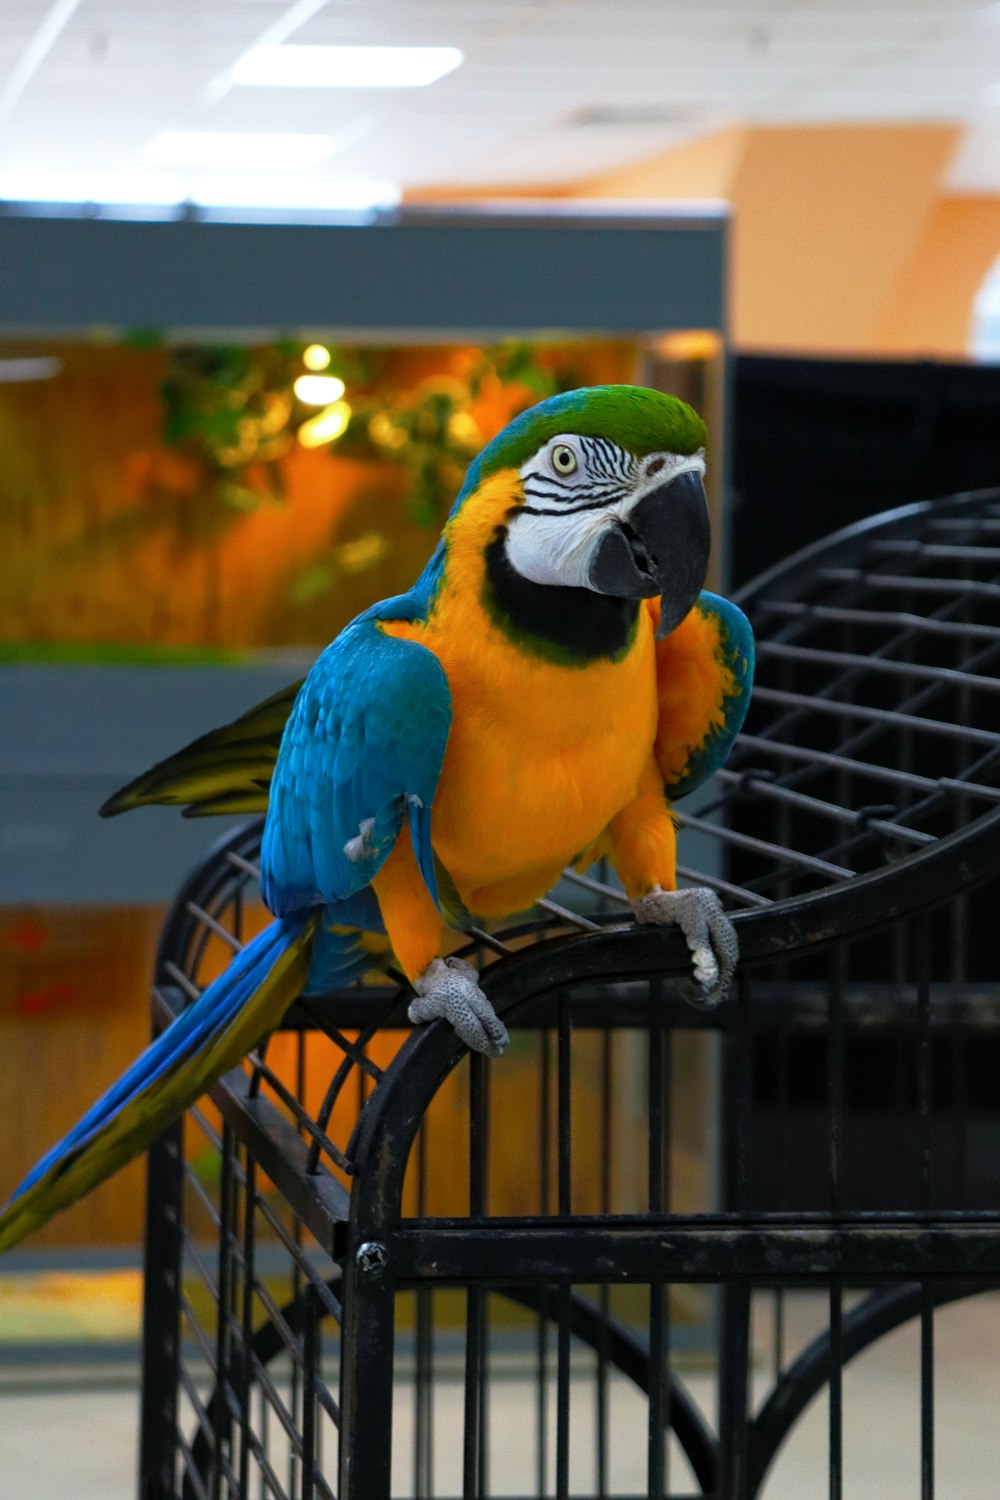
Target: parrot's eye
563, 459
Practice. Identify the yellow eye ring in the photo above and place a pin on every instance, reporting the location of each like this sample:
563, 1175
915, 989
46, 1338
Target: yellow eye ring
564, 459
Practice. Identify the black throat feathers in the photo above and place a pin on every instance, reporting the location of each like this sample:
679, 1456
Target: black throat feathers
568, 626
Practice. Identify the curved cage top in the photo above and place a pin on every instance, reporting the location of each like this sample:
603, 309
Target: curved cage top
874, 727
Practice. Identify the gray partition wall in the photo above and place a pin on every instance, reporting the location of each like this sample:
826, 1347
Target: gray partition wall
421, 273
69, 735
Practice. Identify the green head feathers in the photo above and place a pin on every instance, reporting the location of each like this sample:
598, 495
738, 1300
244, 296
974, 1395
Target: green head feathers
640, 420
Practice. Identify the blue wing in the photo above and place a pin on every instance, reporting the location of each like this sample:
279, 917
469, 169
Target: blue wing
704, 678
362, 750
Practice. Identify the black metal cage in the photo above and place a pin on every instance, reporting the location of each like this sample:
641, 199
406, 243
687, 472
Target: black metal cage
378, 1266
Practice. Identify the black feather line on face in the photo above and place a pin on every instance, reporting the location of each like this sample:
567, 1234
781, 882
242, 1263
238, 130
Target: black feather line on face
571, 626
533, 510
564, 496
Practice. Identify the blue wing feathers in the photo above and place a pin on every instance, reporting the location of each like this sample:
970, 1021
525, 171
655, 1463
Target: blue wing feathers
364, 743
337, 958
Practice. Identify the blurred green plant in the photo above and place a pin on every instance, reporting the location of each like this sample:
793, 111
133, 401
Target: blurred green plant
234, 409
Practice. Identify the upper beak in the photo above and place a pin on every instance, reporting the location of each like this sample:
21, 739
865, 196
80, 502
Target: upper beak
661, 547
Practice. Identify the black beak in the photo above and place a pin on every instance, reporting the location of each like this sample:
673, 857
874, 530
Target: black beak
662, 548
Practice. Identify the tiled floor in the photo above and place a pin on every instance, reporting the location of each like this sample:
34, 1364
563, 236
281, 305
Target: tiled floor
80, 1444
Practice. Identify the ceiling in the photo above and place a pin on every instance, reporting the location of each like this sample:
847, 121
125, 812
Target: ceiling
550, 91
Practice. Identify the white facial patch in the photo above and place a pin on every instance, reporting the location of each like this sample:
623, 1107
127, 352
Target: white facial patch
556, 549
554, 536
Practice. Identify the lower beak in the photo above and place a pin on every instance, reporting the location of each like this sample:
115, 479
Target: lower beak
661, 548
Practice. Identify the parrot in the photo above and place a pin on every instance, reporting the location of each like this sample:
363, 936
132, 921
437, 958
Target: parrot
553, 682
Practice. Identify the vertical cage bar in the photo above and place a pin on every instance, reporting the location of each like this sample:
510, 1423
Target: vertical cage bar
542, 1337
658, 1124
734, 1390
926, 1392
161, 1315
924, 1058
902, 1054
246, 1321
743, 1061
564, 1124
366, 1372
297, 1283
472, 1435
655, 1095
959, 1108
310, 1359
604, 1291
263, 1432
564, 1200
423, 1445
484, 1397
564, 1314
836, 1391
734, 1314
836, 1078
221, 1418
656, 1432
473, 1409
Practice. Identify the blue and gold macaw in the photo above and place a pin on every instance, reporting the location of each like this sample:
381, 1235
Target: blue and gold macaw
551, 682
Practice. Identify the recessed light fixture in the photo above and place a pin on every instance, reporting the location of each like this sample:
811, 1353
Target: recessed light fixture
255, 150
318, 67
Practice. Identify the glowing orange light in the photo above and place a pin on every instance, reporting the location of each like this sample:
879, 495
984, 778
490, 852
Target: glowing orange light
326, 426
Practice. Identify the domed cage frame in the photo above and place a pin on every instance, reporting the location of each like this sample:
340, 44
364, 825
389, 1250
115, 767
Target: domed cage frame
849, 834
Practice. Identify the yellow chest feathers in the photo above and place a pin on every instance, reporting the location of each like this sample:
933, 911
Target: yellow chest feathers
540, 755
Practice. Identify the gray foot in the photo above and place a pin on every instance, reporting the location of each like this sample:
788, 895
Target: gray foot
709, 934
449, 988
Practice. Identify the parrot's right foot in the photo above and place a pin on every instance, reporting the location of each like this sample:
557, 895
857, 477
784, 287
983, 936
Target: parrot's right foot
708, 932
449, 989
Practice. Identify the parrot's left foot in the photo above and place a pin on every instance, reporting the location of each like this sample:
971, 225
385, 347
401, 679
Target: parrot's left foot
449, 989
709, 934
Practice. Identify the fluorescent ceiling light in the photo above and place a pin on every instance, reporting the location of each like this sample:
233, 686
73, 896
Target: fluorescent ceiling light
255, 150
154, 188
345, 67
282, 191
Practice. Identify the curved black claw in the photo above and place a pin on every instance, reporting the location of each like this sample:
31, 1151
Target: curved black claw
448, 989
709, 934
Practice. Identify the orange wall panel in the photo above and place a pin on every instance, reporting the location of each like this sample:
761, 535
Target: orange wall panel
930, 312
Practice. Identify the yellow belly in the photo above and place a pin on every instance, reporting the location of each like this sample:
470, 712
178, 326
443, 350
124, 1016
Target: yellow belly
540, 757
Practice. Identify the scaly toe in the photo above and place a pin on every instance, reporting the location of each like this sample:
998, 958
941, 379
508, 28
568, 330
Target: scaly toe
449, 990
708, 932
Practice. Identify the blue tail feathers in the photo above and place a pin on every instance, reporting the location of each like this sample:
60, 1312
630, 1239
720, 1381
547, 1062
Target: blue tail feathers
196, 1028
